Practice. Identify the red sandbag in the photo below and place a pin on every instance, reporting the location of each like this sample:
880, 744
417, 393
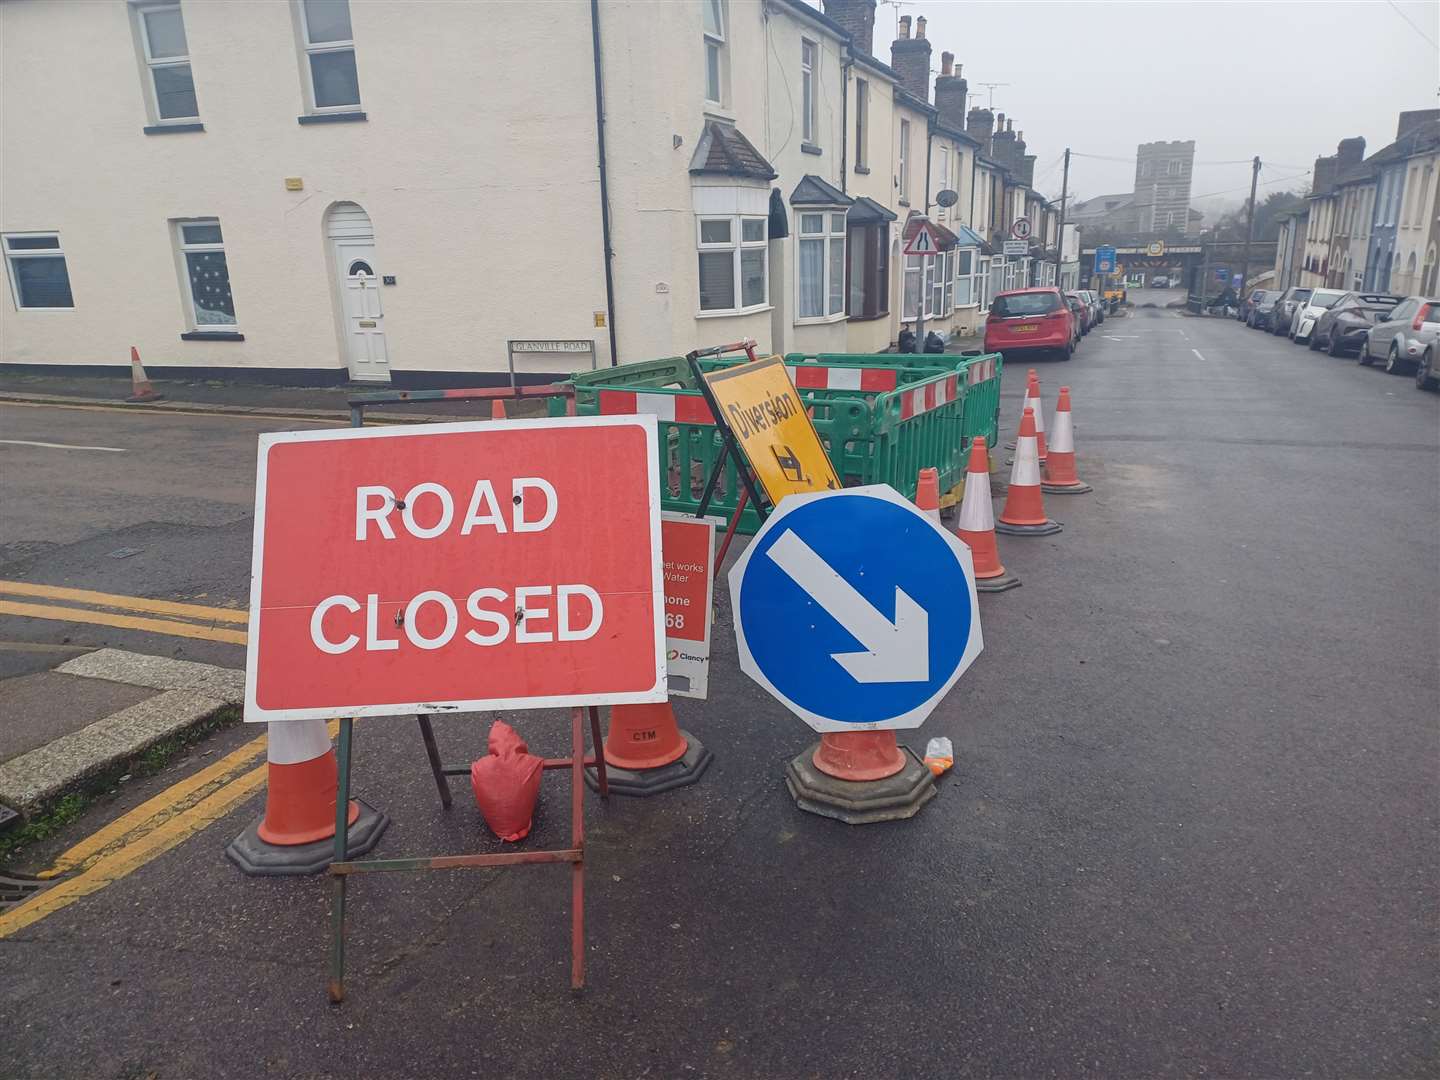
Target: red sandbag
507, 783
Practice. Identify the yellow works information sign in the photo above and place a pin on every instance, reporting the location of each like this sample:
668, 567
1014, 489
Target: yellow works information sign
764, 413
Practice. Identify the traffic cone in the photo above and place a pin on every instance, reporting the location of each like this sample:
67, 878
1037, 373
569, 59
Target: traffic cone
976, 523
1031, 400
647, 753
860, 777
927, 493
497, 409
1060, 477
297, 833
1024, 513
140, 388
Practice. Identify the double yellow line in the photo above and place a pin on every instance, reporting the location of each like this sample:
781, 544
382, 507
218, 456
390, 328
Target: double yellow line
177, 813
186, 620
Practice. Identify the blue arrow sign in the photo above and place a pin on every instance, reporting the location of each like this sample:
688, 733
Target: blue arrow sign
855, 610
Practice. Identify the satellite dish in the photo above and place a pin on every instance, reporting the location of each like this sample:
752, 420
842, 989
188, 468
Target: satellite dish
947, 198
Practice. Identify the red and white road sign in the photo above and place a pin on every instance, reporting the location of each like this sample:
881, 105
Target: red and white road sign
499, 565
926, 240
688, 547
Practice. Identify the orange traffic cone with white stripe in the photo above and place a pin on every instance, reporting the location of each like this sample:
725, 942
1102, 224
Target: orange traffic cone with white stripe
976, 523
1060, 477
1031, 400
927, 493
141, 389
1024, 513
296, 835
647, 753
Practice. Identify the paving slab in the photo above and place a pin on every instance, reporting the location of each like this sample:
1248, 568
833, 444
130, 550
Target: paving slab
159, 673
36, 708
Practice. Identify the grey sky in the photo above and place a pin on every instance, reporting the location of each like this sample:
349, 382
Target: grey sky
1286, 81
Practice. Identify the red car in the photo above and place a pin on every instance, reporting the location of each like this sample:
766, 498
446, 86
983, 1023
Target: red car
1030, 320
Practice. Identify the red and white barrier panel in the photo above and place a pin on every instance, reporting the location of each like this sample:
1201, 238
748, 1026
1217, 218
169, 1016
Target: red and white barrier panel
865, 380
929, 396
978, 373
679, 408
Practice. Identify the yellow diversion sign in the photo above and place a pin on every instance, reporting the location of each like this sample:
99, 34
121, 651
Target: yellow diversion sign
760, 406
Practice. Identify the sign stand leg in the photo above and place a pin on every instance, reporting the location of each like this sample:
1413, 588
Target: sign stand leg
599, 740
337, 902
577, 839
427, 733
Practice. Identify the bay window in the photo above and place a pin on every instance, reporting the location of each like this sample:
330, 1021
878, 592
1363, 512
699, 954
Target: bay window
821, 265
964, 277
733, 262
869, 255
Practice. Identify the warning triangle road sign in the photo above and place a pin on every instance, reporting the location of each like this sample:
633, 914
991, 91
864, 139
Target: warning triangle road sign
924, 242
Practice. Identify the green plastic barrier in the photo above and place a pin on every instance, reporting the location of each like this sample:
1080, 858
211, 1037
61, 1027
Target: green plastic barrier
872, 435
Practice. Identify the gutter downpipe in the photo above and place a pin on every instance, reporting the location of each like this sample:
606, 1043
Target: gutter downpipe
604, 182
845, 123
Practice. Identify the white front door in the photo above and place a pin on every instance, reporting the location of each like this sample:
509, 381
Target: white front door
365, 352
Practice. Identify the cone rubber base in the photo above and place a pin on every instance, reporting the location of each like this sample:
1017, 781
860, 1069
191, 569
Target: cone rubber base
641, 782
892, 799
997, 584
259, 859
1046, 529
1065, 489
140, 399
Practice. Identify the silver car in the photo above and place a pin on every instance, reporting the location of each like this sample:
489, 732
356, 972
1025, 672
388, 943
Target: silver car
1308, 314
1407, 340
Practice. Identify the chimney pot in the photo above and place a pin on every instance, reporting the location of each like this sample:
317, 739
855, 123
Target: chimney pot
946, 59
959, 68
1009, 125
904, 27
920, 26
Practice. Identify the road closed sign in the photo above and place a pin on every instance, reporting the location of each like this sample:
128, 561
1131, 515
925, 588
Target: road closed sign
475, 566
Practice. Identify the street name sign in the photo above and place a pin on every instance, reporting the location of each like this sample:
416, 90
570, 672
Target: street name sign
760, 406
855, 610
474, 566
687, 547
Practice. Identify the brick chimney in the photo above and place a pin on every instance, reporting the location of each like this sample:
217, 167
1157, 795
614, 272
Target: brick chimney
1351, 151
857, 17
1322, 177
1027, 170
950, 94
1003, 142
980, 126
1409, 121
910, 57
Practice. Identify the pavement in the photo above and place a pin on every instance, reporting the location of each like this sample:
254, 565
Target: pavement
1190, 830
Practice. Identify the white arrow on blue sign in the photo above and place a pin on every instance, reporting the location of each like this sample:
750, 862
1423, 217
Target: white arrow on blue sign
855, 610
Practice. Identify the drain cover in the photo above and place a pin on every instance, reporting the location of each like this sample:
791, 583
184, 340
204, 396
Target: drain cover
123, 553
15, 889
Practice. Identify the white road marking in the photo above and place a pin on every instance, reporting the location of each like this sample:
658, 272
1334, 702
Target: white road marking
61, 446
1197, 353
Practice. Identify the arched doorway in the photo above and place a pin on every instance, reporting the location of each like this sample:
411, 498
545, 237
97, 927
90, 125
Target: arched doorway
351, 241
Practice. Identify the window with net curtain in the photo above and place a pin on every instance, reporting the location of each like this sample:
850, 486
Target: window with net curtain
821, 278
733, 263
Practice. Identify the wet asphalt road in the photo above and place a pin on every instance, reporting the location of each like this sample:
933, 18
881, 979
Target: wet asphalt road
1191, 829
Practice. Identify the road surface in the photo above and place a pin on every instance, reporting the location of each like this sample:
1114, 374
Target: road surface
1191, 829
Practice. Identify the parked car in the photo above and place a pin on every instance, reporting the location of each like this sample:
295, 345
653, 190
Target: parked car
1087, 312
1077, 310
1407, 338
1097, 305
1342, 329
1285, 308
1247, 306
1302, 323
1263, 310
1029, 321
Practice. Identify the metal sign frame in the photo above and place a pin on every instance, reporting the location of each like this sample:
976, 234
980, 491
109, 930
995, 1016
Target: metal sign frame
561, 347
